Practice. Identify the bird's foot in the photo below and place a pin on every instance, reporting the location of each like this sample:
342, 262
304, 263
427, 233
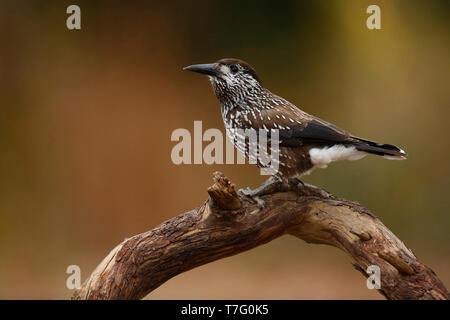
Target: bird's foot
271, 185
253, 195
296, 182
260, 203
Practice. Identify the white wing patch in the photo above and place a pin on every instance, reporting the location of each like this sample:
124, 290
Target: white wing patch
321, 157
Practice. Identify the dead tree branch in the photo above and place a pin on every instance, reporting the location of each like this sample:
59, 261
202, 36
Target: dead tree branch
228, 223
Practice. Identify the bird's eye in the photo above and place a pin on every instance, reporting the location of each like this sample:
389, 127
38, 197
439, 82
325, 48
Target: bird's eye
234, 68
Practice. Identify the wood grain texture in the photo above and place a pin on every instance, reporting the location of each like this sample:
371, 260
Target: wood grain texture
229, 223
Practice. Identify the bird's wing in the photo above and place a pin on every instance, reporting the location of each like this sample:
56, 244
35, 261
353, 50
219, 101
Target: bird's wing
318, 131
297, 128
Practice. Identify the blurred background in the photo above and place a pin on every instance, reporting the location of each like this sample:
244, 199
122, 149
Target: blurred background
86, 119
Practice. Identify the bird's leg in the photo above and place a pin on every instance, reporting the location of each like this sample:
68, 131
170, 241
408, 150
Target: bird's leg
269, 186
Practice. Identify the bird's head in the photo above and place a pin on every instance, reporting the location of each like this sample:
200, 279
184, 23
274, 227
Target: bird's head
231, 79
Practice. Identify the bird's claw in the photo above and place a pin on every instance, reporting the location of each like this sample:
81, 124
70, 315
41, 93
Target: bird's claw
260, 203
254, 197
295, 182
246, 192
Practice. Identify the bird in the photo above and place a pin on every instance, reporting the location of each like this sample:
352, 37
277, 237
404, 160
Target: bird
305, 141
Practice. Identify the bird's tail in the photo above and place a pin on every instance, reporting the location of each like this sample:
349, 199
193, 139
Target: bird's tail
387, 151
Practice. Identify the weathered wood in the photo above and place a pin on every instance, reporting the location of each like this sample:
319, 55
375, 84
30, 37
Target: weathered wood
228, 223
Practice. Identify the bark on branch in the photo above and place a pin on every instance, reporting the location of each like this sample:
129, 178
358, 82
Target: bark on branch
228, 223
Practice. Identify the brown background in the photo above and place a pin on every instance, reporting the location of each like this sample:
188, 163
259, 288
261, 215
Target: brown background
86, 118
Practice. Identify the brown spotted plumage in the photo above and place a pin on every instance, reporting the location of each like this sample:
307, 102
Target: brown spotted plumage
305, 141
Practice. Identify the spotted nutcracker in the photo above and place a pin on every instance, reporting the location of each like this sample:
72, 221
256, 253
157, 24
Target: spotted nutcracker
305, 141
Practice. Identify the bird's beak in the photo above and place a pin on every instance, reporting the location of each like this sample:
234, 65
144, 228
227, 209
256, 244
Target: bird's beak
210, 69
